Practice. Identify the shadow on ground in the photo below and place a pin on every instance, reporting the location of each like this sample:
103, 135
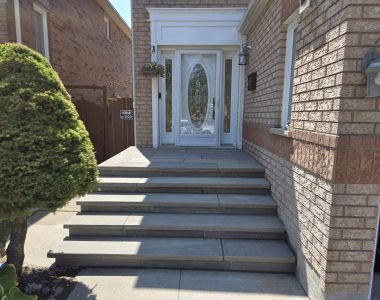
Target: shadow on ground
160, 284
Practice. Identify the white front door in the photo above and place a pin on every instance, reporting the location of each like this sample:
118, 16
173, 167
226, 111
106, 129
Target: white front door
198, 91
198, 104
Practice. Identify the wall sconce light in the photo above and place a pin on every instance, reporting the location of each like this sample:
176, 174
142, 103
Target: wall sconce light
371, 67
244, 53
153, 48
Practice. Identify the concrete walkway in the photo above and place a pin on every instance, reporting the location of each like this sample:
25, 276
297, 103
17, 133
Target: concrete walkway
154, 284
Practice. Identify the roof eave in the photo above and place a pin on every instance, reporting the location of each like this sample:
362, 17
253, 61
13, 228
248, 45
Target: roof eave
255, 9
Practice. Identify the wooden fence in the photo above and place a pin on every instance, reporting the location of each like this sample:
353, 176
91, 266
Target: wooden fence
108, 121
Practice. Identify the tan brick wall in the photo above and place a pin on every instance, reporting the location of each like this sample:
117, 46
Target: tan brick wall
326, 177
3, 21
78, 50
141, 39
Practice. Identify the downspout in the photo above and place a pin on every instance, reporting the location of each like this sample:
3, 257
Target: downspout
133, 76
16, 4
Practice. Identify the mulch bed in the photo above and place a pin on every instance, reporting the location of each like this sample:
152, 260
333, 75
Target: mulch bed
54, 283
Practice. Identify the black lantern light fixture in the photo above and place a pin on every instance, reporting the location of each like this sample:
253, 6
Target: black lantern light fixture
244, 53
371, 67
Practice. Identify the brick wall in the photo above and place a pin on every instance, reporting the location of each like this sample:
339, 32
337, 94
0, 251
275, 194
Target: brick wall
326, 177
141, 40
78, 50
3, 21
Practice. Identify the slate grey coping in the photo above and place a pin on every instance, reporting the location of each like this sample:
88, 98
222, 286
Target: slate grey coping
260, 250
173, 249
208, 182
178, 221
97, 220
246, 200
149, 199
143, 248
109, 199
251, 223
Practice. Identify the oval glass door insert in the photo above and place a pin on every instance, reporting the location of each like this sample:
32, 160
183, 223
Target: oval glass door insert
198, 96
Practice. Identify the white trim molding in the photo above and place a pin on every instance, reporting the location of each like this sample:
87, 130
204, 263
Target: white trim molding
182, 29
41, 10
195, 26
290, 52
16, 5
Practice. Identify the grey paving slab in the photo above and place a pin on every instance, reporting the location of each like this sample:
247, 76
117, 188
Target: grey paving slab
217, 285
196, 182
149, 199
246, 200
182, 155
97, 220
129, 181
132, 284
257, 250
246, 223
147, 156
143, 248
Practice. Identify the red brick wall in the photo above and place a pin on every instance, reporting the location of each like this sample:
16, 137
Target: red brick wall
141, 38
78, 50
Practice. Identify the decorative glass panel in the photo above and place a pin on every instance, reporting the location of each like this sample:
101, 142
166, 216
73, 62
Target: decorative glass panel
198, 95
168, 94
198, 81
227, 95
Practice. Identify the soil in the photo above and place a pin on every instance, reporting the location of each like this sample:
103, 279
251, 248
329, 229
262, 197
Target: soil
54, 283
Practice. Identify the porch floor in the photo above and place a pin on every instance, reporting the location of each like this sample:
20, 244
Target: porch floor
183, 158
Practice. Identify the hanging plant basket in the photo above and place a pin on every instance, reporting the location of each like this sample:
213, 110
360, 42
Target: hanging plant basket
153, 69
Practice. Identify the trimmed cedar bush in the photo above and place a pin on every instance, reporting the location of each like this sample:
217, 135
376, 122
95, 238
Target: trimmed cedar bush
46, 156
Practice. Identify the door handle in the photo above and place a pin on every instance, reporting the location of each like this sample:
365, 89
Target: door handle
213, 108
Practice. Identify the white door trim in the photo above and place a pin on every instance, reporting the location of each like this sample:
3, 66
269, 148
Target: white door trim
203, 25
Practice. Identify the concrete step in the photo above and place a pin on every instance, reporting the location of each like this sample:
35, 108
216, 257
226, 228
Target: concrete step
177, 225
182, 253
178, 203
207, 185
166, 168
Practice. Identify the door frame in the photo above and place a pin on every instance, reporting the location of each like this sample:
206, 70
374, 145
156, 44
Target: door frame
158, 88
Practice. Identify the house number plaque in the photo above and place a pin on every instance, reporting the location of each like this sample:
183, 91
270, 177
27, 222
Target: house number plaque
126, 114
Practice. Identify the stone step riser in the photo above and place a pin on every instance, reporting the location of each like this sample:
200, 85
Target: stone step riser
78, 231
178, 208
170, 189
89, 260
134, 173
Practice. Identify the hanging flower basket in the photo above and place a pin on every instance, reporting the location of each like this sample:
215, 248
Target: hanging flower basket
153, 69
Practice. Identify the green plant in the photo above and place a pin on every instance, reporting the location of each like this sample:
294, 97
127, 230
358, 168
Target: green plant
153, 69
46, 156
4, 234
9, 283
